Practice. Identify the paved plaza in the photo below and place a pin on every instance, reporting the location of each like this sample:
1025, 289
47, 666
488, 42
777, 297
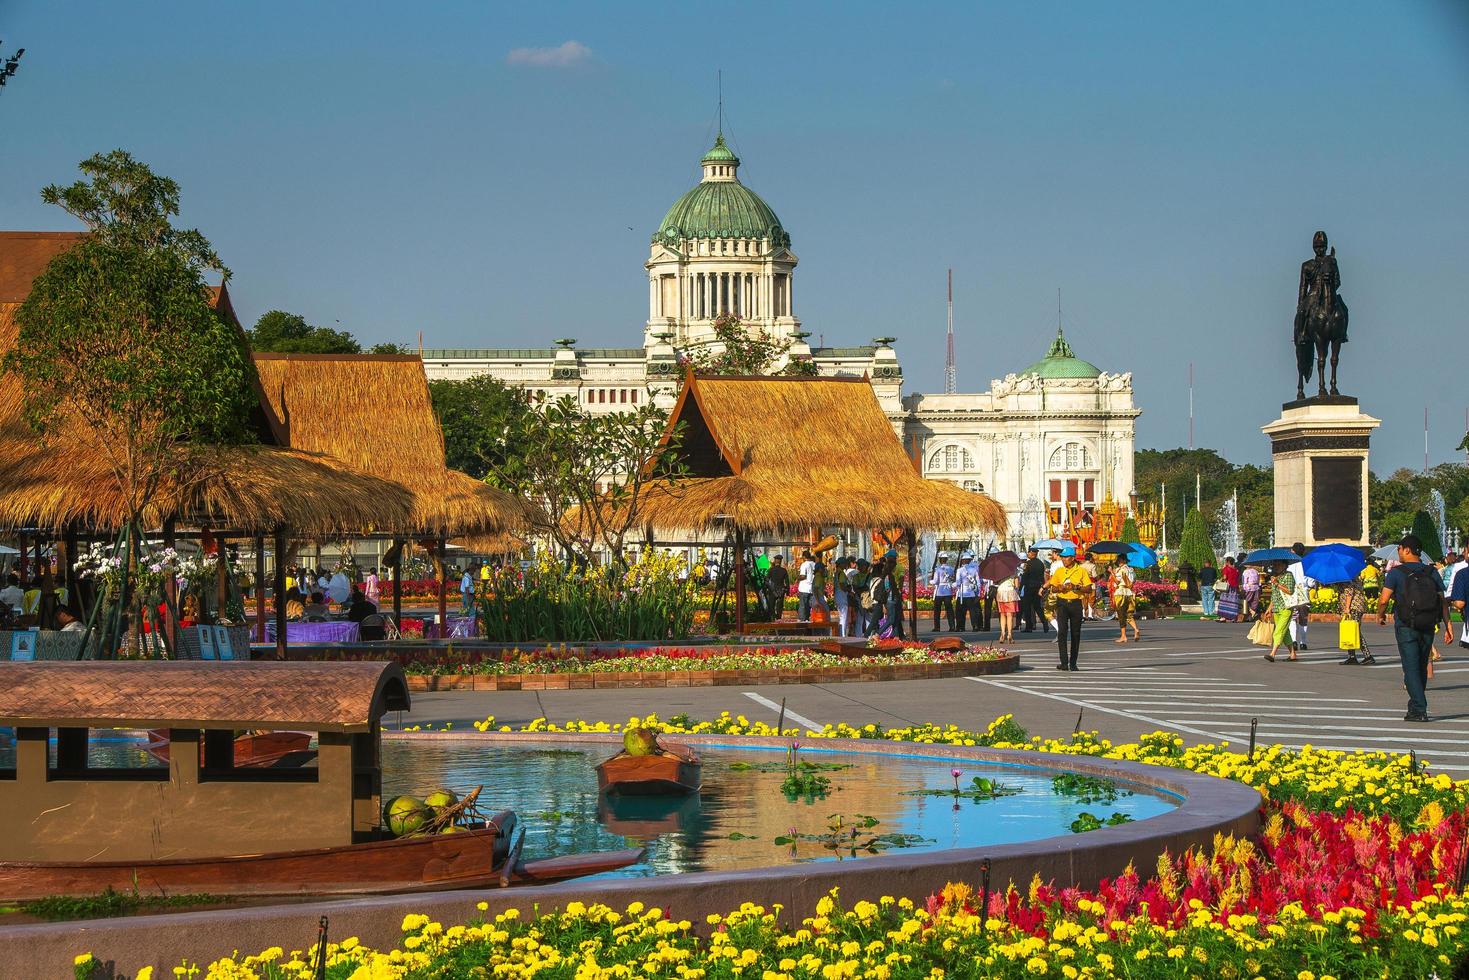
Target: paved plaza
1202, 680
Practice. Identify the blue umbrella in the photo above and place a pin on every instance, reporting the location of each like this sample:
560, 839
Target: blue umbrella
1141, 556
1333, 563
1265, 556
1050, 544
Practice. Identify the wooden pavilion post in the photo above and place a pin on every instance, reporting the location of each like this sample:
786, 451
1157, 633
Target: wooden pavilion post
397, 550
221, 580
739, 563
22, 562
69, 572
280, 594
912, 583
260, 587
443, 562
170, 592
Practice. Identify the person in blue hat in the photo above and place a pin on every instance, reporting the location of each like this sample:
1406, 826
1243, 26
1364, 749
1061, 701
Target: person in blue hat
1071, 584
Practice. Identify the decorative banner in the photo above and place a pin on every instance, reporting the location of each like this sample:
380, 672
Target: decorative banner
224, 649
23, 645
206, 642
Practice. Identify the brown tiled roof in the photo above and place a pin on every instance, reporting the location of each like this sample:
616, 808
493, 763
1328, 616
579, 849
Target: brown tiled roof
24, 255
314, 696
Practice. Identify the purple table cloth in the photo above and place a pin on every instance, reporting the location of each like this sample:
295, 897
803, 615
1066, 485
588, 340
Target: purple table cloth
332, 632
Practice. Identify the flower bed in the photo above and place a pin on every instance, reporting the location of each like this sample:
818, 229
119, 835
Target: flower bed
554, 669
1354, 875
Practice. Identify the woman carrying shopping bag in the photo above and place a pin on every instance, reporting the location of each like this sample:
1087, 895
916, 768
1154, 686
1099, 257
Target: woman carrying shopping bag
1353, 608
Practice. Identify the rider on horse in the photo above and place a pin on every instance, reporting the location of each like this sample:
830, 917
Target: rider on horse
1321, 316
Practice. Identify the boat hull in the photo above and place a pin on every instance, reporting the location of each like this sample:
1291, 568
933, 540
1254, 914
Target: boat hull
251, 751
467, 859
650, 775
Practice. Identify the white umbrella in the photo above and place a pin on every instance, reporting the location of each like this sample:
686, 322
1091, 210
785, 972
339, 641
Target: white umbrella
1386, 553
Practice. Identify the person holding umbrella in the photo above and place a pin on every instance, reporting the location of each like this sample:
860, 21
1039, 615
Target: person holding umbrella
1070, 584
1282, 607
1032, 581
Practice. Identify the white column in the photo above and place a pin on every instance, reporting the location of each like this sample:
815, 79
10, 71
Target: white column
653, 297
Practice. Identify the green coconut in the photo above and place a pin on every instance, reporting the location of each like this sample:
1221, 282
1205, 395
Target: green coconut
407, 815
453, 829
440, 799
640, 741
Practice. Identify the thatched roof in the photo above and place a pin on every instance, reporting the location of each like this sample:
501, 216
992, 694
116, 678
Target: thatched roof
319, 697
61, 480
371, 413
771, 453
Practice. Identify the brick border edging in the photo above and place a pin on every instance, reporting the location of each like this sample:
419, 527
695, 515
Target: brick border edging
623, 680
1210, 805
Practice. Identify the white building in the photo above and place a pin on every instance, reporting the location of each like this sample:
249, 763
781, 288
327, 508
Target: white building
1058, 433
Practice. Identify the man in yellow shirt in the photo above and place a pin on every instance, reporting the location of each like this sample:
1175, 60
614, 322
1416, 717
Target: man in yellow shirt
1070, 584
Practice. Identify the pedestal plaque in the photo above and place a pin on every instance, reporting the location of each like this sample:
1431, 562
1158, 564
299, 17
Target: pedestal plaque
1319, 449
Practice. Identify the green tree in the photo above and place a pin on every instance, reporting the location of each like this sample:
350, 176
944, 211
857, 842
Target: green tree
118, 342
1218, 478
289, 333
1129, 532
587, 473
482, 418
746, 352
389, 348
1194, 547
1427, 532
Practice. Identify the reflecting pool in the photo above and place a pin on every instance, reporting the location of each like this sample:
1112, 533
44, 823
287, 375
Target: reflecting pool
741, 818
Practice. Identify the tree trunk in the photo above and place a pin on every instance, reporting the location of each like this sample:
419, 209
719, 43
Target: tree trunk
131, 589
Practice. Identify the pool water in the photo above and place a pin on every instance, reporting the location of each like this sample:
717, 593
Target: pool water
733, 822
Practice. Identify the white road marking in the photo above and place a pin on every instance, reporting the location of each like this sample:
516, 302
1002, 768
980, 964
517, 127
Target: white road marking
1086, 704
814, 726
1209, 653
1330, 730
1368, 745
1363, 714
1248, 697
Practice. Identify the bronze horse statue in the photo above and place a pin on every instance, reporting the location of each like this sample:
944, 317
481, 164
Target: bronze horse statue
1321, 318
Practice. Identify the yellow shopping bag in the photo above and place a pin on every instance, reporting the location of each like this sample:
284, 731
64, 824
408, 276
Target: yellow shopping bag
1350, 635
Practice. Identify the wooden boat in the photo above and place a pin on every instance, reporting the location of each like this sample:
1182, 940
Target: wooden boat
257, 749
471, 858
673, 770
216, 821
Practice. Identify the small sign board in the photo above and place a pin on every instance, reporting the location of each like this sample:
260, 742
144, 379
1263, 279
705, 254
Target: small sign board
206, 642
223, 648
23, 645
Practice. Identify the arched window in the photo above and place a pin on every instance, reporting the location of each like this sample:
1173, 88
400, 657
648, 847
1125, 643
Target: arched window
950, 459
1071, 456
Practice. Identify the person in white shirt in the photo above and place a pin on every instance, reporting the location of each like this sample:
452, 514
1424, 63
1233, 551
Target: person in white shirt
1302, 616
805, 575
68, 620
339, 588
966, 590
13, 595
942, 581
841, 587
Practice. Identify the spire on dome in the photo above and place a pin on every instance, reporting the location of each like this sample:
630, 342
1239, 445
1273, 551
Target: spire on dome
1059, 346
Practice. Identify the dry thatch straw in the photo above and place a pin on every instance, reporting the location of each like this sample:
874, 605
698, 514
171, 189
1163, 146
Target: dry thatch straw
61, 480
774, 453
371, 414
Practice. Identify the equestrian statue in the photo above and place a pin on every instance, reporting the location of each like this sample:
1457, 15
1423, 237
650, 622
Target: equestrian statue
1321, 318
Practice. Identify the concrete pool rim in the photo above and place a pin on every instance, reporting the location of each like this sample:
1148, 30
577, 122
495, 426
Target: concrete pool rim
1208, 805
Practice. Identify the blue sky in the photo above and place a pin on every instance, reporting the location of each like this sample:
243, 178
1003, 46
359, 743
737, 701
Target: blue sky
461, 169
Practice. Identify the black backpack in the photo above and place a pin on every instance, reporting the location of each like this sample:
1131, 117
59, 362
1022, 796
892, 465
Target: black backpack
1421, 602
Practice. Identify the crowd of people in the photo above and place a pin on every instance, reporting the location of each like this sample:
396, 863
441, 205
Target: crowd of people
313, 594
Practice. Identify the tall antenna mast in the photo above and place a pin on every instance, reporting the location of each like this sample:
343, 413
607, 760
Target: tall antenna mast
951, 373
720, 76
1190, 404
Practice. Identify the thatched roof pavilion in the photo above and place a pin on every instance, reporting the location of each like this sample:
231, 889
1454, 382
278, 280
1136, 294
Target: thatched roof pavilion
771, 454
58, 481
791, 452
371, 414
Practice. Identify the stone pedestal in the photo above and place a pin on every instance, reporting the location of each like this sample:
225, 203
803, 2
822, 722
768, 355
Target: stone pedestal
1319, 448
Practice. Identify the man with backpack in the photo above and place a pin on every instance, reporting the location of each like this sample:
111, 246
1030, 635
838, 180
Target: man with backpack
1419, 608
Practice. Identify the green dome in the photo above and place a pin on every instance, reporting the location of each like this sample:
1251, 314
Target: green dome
721, 207
1061, 362
720, 152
